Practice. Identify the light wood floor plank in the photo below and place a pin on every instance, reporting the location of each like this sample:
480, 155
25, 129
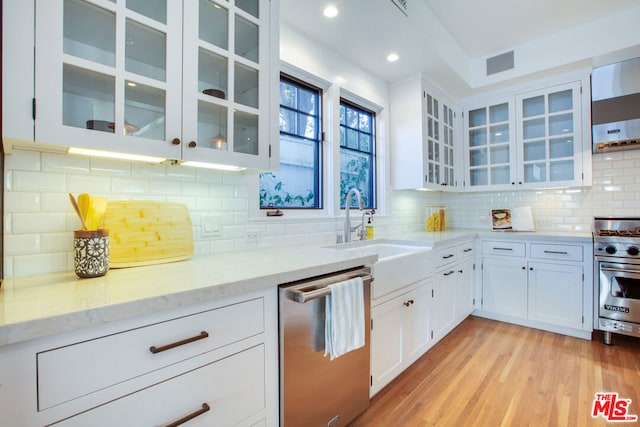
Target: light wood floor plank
488, 373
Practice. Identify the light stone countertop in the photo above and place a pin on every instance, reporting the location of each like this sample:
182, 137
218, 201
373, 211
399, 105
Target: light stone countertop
37, 306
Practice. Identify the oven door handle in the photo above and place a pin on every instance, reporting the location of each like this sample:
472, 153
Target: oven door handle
621, 270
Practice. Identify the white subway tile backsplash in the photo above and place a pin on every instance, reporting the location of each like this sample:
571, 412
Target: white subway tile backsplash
23, 201
23, 160
24, 265
56, 202
55, 162
235, 204
22, 244
169, 188
209, 176
26, 223
130, 185
146, 170
110, 167
57, 242
181, 173
38, 181
91, 184
195, 189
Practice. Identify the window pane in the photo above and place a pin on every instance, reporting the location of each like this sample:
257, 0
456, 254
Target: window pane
355, 171
297, 183
294, 185
357, 160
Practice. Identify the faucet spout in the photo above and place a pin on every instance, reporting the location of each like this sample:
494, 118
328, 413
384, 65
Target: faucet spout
347, 218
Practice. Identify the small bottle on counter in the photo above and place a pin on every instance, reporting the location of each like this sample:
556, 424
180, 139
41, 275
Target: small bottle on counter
369, 229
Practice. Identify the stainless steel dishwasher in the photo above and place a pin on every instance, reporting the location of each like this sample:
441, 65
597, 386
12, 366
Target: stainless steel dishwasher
315, 391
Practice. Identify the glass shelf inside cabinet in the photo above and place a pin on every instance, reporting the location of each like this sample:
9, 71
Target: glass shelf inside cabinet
212, 74
144, 111
88, 99
212, 126
245, 133
252, 7
89, 32
214, 24
246, 39
154, 9
145, 51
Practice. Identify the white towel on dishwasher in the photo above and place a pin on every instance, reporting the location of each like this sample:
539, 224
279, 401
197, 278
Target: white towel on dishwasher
344, 318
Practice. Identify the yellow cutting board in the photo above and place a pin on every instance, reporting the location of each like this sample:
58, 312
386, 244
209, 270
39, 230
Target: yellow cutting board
147, 232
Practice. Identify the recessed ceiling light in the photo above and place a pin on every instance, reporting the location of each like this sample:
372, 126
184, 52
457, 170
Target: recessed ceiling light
392, 57
330, 11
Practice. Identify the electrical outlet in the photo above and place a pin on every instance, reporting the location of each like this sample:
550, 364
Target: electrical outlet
252, 235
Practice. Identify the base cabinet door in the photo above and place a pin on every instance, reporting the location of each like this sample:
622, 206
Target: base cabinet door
555, 294
464, 289
504, 286
443, 301
400, 334
224, 393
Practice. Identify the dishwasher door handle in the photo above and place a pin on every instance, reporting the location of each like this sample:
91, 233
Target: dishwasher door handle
304, 291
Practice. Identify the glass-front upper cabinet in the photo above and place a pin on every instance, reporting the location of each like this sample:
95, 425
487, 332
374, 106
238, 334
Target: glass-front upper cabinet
183, 80
490, 140
108, 75
439, 143
226, 81
548, 136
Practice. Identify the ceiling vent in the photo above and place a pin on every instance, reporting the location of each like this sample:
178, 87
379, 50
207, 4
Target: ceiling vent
402, 5
500, 63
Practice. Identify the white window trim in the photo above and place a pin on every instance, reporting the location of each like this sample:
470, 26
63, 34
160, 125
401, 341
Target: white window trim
331, 95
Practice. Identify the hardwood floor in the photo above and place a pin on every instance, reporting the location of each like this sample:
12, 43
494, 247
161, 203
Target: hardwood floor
488, 373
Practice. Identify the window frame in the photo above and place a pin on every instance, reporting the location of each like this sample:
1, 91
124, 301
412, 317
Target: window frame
319, 169
372, 154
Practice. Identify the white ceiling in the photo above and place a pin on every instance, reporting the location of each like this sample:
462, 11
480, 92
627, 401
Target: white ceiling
446, 39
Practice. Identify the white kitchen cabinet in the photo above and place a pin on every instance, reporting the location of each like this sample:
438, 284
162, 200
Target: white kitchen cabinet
542, 284
221, 353
453, 287
504, 286
423, 140
555, 294
550, 136
190, 81
531, 139
400, 333
490, 145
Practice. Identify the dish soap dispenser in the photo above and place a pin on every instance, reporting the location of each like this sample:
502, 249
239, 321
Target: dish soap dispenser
369, 229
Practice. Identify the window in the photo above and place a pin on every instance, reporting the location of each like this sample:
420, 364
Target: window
357, 153
298, 182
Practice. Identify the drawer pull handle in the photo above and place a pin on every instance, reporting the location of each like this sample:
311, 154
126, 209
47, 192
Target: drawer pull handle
502, 249
153, 349
450, 272
467, 250
447, 256
557, 252
408, 303
205, 408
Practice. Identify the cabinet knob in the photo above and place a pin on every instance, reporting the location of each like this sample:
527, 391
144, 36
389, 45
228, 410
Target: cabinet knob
524, 268
460, 271
192, 144
531, 268
408, 303
175, 141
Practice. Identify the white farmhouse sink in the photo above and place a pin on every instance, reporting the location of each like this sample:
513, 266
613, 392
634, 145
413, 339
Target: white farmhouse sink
400, 263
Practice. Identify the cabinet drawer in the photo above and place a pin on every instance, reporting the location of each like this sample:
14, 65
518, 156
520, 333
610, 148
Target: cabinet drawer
446, 255
233, 389
559, 252
79, 369
465, 249
503, 248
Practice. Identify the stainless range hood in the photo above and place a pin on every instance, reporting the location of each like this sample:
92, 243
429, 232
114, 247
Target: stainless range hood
615, 106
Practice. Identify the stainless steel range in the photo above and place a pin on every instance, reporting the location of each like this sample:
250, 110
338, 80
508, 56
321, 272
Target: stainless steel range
617, 275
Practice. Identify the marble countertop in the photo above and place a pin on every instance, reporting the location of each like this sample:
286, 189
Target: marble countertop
37, 306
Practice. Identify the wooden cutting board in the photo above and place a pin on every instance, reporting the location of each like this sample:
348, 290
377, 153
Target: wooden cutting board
148, 232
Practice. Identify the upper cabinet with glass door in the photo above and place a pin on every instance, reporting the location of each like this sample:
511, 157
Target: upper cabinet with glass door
549, 136
491, 149
182, 80
422, 137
